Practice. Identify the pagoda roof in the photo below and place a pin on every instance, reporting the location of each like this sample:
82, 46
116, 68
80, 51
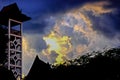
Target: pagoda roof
12, 12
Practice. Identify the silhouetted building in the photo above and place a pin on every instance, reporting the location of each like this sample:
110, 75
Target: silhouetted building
11, 19
39, 70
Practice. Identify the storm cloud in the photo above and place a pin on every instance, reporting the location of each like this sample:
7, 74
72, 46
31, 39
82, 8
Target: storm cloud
106, 23
90, 25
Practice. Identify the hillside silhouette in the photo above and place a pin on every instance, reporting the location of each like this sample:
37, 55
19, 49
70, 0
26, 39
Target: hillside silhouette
93, 66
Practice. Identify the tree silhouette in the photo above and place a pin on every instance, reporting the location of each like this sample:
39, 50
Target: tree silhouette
92, 66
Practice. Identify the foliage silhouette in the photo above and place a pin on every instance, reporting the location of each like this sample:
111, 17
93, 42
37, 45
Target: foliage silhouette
95, 66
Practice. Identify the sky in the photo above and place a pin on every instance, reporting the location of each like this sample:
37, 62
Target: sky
61, 30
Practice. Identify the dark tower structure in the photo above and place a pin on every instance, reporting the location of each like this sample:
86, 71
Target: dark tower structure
11, 17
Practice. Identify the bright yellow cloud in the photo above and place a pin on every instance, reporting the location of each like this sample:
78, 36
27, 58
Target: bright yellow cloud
59, 44
27, 50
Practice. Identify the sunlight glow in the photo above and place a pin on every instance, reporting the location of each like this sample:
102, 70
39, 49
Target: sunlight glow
59, 44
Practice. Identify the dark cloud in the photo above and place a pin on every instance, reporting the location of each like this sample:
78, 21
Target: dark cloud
52, 57
114, 4
38, 44
107, 23
35, 27
44, 8
102, 24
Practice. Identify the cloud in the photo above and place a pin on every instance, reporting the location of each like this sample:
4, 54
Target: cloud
35, 27
28, 55
79, 26
42, 9
59, 44
90, 25
32, 45
107, 24
105, 19
97, 8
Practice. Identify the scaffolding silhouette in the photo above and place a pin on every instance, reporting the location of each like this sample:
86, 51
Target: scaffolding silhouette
12, 18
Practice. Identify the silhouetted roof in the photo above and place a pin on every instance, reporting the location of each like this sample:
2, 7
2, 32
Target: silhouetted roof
38, 70
12, 11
